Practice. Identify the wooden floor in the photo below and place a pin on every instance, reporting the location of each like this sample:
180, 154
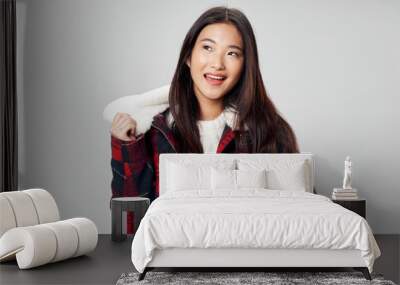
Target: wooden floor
110, 260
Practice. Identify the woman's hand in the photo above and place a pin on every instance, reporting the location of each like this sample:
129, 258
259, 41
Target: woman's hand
123, 127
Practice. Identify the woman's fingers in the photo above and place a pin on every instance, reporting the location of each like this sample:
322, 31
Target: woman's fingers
120, 117
123, 127
126, 126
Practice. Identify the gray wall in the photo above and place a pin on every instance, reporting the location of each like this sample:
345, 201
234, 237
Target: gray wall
330, 66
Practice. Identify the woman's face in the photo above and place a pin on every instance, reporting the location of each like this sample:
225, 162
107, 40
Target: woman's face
216, 61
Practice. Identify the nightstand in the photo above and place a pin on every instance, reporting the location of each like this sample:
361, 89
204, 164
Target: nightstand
138, 205
358, 206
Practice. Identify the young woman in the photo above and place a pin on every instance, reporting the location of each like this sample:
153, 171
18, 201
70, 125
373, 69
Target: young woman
217, 103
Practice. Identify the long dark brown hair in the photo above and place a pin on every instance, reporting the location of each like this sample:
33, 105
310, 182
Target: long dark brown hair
267, 130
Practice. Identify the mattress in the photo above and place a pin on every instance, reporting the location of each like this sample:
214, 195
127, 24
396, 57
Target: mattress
253, 219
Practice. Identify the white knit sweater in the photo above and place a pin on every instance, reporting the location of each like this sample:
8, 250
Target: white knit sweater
210, 133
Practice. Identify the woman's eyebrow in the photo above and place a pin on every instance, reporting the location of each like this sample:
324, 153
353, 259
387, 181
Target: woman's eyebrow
230, 46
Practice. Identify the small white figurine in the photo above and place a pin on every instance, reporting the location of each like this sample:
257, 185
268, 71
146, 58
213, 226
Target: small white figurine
347, 173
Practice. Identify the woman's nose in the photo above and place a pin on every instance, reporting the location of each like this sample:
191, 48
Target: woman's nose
218, 62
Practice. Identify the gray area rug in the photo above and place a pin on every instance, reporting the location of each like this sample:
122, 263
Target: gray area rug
229, 278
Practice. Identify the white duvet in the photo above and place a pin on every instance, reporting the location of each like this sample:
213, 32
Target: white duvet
251, 218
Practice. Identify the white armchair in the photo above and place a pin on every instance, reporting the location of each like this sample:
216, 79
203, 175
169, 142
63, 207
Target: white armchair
31, 231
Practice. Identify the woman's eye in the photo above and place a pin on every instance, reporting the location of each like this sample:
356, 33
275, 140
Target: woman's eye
235, 53
207, 48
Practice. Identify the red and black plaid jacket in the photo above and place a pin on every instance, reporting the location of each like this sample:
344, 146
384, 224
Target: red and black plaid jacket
135, 164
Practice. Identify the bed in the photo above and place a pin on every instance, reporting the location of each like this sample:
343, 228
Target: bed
245, 211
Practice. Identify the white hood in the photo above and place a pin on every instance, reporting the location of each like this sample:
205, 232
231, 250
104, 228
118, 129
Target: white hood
143, 107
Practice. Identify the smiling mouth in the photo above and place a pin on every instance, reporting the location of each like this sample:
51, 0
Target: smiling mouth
213, 79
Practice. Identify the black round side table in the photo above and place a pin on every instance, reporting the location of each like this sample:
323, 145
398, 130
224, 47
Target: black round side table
138, 205
358, 206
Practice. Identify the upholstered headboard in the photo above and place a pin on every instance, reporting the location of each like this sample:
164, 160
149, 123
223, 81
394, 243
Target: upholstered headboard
268, 159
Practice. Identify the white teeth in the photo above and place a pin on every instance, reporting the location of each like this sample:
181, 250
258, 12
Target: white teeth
214, 77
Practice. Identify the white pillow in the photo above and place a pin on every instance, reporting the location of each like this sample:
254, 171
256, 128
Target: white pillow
293, 178
223, 179
236, 179
184, 175
281, 174
251, 178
